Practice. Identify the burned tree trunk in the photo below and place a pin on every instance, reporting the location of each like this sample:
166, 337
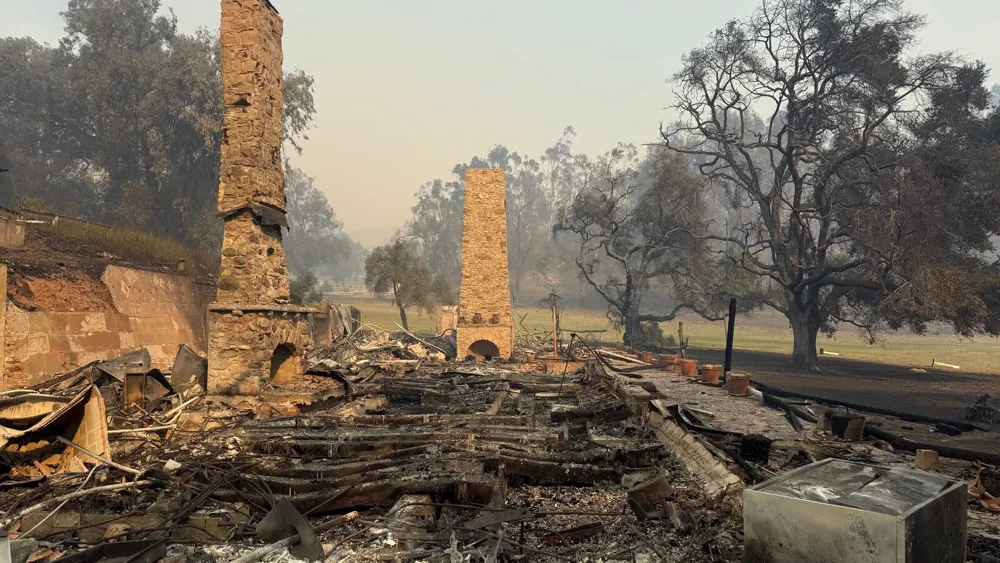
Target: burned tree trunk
400, 306
805, 328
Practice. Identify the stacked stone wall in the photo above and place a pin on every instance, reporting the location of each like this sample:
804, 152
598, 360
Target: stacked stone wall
252, 173
253, 262
243, 344
251, 168
484, 297
251, 318
152, 310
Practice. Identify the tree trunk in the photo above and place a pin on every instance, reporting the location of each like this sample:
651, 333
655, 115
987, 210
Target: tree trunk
804, 331
400, 306
630, 327
402, 316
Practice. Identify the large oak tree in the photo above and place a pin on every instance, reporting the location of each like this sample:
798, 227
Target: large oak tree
864, 166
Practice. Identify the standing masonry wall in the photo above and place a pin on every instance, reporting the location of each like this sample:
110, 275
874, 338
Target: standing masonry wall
242, 356
251, 173
164, 311
152, 310
256, 339
484, 298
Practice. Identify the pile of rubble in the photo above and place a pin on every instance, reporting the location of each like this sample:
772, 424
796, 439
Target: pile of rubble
401, 456
413, 461
986, 409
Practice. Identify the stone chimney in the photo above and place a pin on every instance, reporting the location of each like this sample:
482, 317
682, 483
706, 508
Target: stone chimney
252, 174
485, 324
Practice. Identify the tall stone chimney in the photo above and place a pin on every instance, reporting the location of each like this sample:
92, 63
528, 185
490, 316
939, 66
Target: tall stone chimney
252, 174
257, 340
485, 322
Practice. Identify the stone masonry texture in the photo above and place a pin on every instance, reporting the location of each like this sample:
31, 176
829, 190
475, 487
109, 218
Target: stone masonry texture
484, 298
242, 346
253, 262
251, 321
251, 171
153, 310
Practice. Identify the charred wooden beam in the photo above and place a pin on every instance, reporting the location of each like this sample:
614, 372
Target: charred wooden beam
467, 419
292, 486
497, 403
612, 413
326, 471
548, 473
461, 489
549, 387
327, 447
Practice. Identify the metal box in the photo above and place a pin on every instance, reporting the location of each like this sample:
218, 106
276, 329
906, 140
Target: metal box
836, 510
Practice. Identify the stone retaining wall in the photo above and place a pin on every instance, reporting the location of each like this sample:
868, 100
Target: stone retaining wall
154, 310
164, 311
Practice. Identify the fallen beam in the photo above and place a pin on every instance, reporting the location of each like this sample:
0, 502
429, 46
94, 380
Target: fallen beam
549, 473
327, 471
362, 406
291, 486
497, 404
567, 413
623, 358
718, 479
461, 489
557, 388
338, 449
410, 419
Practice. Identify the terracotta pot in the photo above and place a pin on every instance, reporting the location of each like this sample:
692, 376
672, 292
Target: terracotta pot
646, 357
738, 384
668, 362
710, 373
531, 357
689, 367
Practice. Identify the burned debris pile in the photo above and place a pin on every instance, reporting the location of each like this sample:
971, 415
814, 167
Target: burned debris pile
412, 461
381, 452
986, 409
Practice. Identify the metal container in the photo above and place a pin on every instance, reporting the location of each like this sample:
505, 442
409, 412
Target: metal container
837, 510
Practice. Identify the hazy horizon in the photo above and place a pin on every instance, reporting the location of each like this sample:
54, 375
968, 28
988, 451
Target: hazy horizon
405, 91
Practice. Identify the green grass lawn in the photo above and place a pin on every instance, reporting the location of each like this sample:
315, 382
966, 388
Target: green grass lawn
765, 332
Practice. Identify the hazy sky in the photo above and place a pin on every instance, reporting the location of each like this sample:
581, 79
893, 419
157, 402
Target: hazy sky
407, 88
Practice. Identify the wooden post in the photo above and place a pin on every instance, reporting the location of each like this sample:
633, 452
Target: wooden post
681, 345
555, 326
729, 338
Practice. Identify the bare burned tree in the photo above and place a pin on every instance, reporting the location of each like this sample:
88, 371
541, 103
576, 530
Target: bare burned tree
806, 108
635, 234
